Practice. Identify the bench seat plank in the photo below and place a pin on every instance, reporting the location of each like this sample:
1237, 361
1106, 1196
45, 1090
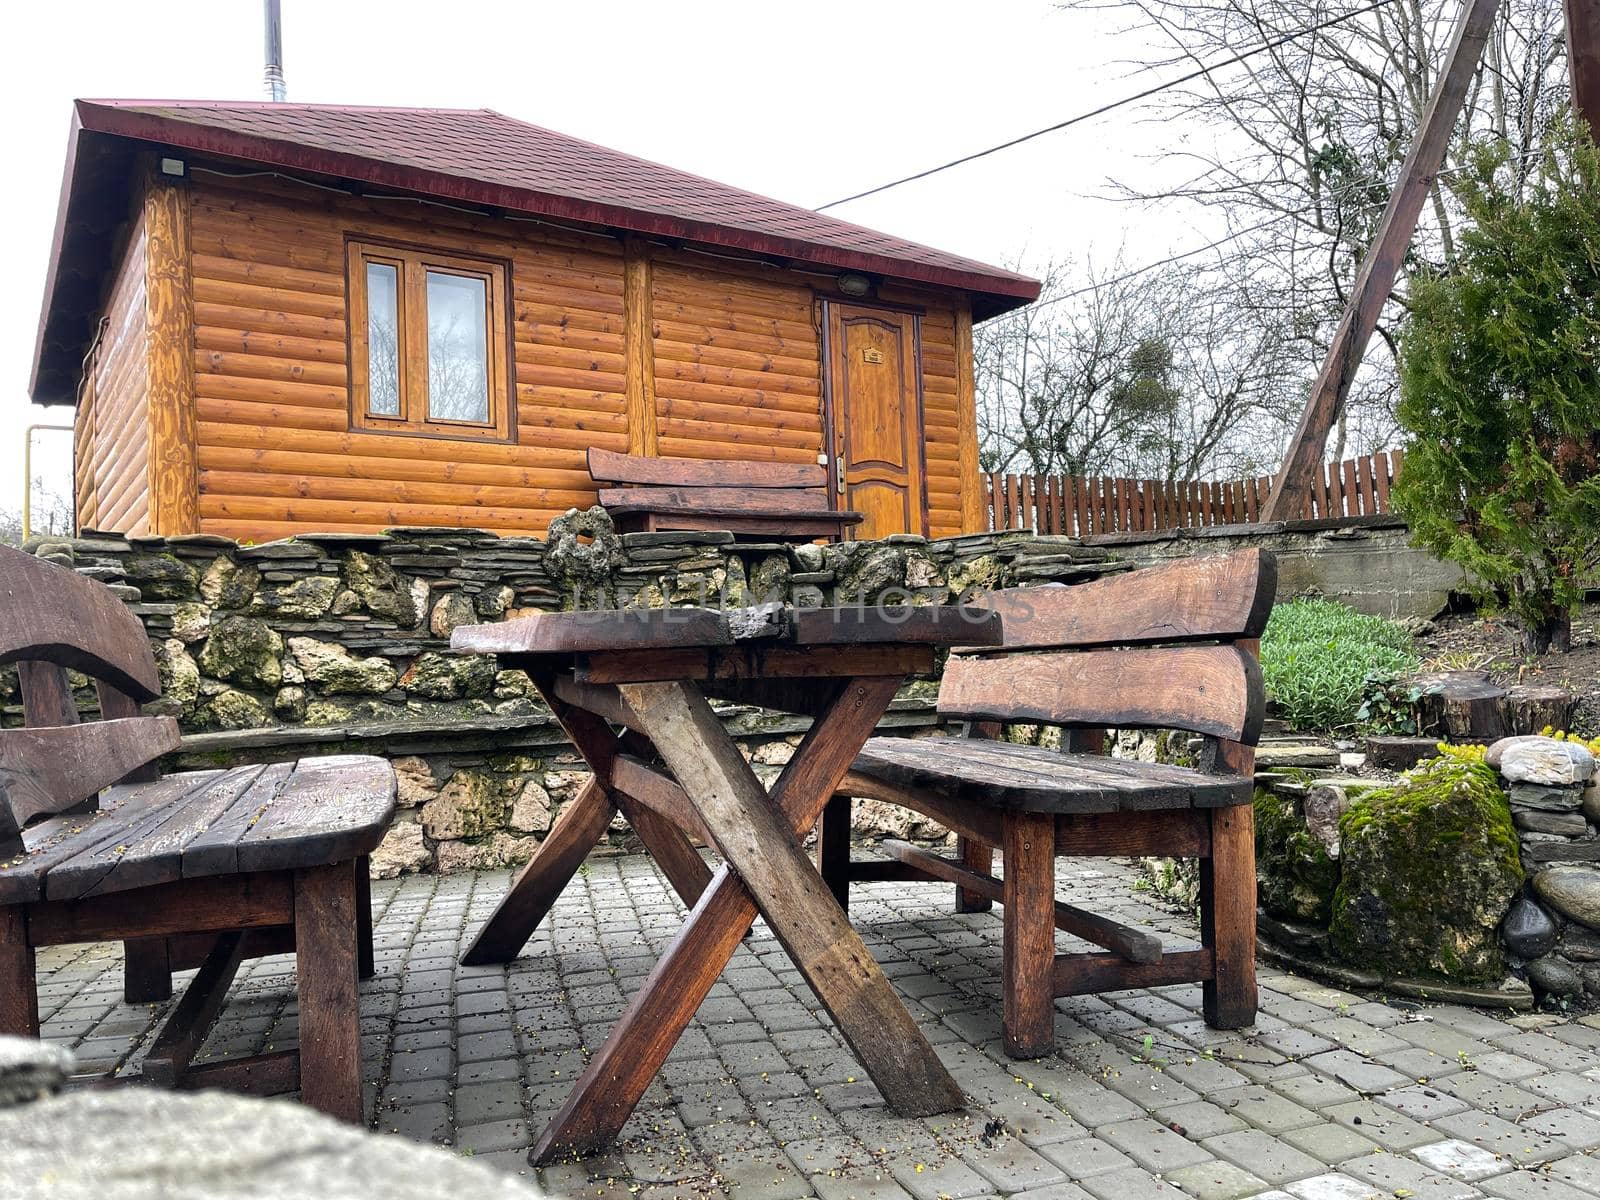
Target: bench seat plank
1038, 779
724, 502
206, 823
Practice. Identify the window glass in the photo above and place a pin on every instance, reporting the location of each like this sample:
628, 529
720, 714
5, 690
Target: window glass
383, 340
458, 348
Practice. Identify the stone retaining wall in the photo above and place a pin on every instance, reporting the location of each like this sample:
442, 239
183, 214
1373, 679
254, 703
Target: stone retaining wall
333, 642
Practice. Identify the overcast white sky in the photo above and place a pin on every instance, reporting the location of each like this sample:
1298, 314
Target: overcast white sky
806, 101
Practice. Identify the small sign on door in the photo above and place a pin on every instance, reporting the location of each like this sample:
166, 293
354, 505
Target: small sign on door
872, 354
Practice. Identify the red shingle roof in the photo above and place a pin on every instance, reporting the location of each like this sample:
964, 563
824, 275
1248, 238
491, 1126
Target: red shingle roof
471, 156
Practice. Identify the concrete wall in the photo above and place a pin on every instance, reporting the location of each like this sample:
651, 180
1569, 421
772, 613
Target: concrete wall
1367, 562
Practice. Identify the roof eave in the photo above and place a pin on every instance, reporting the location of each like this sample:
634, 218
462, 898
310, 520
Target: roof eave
1002, 291
52, 273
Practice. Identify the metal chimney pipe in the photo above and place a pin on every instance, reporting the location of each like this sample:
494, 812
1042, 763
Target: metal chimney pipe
274, 78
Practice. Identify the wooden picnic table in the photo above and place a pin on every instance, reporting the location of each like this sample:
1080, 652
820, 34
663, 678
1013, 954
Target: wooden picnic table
632, 690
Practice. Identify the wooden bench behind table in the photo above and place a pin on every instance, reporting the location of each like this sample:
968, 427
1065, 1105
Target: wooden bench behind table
1171, 647
199, 869
775, 501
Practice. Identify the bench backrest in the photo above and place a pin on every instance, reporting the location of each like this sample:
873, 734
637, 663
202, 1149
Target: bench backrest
53, 619
1168, 647
636, 470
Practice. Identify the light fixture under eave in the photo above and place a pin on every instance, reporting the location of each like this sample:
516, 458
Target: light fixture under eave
852, 284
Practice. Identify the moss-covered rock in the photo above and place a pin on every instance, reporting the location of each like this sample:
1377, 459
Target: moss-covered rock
180, 677
227, 584
1429, 868
350, 712
769, 579
472, 804
191, 622
380, 589
582, 555
975, 575
245, 651
451, 611
863, 571
335, 671
161, 576
449, 677
232, 709
1295, 877
305, 599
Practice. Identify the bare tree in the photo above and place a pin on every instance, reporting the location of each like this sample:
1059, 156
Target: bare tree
1148, 374
1300, 145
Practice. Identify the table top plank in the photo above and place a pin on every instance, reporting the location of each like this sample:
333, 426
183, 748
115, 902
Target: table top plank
922, 625
687, 629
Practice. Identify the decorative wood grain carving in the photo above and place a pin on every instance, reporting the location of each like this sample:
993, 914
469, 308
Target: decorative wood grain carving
173, 475
639, 363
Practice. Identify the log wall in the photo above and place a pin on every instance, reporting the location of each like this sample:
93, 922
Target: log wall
726, 356
111, 432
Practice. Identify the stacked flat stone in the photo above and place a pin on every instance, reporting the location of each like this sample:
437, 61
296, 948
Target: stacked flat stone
339, 642
1552, 931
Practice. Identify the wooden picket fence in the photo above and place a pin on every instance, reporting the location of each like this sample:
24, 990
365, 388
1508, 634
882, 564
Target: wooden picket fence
1082, 506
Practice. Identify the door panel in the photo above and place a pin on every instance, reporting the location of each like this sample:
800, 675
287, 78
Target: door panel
877, 418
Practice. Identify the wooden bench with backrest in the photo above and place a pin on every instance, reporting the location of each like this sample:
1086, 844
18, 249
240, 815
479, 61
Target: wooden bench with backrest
1170, 647
198, 869
773, 501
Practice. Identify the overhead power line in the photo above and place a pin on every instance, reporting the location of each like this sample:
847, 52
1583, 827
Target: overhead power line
1202, 72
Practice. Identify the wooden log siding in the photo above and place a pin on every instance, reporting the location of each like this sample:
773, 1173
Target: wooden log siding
276, 452
731, 369
1084, 506
112, 439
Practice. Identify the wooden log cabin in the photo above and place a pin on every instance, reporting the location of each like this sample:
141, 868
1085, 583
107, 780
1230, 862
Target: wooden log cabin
282, 318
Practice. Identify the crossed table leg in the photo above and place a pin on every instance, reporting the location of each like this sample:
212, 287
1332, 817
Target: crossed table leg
765, 870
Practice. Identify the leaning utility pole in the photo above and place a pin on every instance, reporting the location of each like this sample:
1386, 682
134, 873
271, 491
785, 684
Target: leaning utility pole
1376, 275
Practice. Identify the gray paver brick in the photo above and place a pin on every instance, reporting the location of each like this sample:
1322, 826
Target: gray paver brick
1263, 1155
760, 1098
1153, 1145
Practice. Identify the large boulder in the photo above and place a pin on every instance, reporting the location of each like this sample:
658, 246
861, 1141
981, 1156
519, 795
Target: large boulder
1429, 868
1295, 874
245, 651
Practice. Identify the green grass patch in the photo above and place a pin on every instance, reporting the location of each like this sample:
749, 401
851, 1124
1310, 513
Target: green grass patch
1321, 660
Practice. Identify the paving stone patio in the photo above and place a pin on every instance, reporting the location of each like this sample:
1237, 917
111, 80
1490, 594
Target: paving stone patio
1332, 1096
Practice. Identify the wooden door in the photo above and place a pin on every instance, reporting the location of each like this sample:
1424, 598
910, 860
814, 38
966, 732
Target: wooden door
875, 372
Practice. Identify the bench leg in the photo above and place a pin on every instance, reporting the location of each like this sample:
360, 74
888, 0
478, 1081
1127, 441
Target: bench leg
326, 964
833, 849
1228, 918
1030, 934
19, 990
369, 966
146, 970
975, 856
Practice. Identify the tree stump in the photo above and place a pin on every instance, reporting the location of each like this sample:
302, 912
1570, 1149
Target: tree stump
1461, 705
1530, 708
